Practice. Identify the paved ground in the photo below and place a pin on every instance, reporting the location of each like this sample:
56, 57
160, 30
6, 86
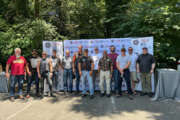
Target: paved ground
77, 108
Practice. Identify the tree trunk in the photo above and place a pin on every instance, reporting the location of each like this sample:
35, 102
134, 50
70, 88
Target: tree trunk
36, 7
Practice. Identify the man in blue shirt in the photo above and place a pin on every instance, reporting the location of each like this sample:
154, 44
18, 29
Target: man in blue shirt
123, 63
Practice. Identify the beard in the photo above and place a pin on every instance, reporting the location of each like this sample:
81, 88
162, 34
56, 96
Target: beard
112, 51
17, 55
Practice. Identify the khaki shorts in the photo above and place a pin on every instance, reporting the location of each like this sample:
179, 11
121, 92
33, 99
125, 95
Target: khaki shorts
133, 77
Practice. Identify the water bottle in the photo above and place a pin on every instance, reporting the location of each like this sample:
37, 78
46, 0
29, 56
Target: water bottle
178, 66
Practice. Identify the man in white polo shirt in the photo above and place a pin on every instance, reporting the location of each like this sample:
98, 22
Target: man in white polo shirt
132, 68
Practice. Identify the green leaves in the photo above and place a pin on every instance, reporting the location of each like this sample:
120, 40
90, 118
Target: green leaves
158, 18
27, 35
83, 19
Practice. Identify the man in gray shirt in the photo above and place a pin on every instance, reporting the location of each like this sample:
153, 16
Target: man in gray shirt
145, 66
123, 63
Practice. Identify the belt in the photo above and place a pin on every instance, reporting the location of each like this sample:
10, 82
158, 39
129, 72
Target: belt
105, 70
34, 69
45, 71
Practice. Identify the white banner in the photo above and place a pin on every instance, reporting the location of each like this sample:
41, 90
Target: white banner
104, 44
49, 46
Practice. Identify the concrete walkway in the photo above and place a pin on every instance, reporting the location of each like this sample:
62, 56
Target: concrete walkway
78, 108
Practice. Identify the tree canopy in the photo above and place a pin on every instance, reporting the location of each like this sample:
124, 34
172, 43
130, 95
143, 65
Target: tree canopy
26, 23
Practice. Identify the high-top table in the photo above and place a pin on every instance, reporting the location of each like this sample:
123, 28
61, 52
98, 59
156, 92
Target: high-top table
3, 83
168, 86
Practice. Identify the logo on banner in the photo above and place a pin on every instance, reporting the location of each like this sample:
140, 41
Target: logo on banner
123, 46
54, 43
76, 42
143, 45
48, 45
66, 47
135, 42
101, 41
80, 42
145, 40
96, 41
91, 51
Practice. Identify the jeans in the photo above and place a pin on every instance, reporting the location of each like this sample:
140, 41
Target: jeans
105, 76
13, 80
85, 74
125, 76
55, 80
115, 79
94, 77
77, 80
30, 81
68, 75
46, 76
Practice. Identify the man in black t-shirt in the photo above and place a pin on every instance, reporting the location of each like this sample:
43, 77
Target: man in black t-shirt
32, 63
76, 59
86, 67
145, 66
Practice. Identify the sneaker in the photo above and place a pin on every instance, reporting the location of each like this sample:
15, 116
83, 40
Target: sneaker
150, 95
108, 95
134, 93
102, 95
21, 97
142, 94
52, 95
118, 95
84, 95
65, 92
38, 95
130, 97
91, 96
11, 99
42, 96
46, 94
126, 92
77, 92
28, 96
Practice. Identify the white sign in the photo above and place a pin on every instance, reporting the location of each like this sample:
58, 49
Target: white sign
104, 44
49, 46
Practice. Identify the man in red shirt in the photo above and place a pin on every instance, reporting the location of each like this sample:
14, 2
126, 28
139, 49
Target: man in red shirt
113, 55
18, 68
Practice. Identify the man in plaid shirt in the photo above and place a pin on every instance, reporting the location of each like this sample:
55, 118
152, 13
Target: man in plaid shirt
105, 69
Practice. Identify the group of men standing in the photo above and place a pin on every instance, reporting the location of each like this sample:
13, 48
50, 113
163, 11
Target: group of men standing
108, 67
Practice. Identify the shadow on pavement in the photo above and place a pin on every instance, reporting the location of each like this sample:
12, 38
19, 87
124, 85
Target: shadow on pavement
100, 107
60, 96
